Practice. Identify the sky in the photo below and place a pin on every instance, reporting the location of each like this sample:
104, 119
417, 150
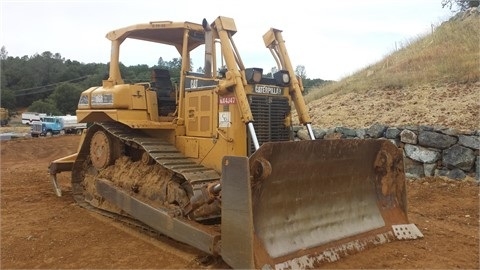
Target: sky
332, 39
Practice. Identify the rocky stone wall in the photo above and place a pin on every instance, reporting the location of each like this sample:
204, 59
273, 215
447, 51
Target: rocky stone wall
428, 151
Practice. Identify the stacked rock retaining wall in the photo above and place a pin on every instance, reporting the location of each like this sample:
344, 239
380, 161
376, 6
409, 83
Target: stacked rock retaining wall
428, 150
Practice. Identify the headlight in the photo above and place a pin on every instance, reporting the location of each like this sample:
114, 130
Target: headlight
253, 75
282, 77
102, 99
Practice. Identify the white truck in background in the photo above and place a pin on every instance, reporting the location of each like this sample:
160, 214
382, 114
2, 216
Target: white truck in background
29, 117
70, 124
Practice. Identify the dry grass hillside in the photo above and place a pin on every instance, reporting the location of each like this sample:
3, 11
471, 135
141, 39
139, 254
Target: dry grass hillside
432, 80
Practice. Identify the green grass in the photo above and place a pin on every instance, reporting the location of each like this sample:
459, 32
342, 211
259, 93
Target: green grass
450, 54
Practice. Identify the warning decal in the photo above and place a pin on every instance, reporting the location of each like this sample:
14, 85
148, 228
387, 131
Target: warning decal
224, 119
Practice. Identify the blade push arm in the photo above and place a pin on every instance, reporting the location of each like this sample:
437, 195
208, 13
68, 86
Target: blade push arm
274, 41
225, 27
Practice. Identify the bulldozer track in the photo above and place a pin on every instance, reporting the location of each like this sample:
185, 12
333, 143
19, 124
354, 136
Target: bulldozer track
162, 152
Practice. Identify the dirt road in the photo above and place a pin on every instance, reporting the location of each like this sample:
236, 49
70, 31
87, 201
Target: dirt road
40, 230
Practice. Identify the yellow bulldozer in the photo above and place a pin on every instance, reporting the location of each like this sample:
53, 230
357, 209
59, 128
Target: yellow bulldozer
210, 160
4, 117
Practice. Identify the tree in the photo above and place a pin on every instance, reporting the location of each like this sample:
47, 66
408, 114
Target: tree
65, 97
161, 63
3, 57
174, 66
462, 5
301, 72
44, 106
3, 53
138, 73
7, 99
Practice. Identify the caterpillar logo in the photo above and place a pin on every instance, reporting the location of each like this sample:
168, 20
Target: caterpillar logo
267, 89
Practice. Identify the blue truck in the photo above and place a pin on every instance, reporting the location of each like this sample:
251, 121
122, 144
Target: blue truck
53, 125
47, 126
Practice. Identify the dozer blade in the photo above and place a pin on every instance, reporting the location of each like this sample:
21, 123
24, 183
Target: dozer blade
60, 165
301, 204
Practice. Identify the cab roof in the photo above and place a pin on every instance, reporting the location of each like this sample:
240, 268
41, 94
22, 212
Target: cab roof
165, 32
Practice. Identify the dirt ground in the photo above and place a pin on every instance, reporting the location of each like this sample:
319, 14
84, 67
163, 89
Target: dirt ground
40, 230
452, 105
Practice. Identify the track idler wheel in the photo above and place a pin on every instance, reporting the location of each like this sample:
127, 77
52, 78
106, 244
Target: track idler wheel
101, 151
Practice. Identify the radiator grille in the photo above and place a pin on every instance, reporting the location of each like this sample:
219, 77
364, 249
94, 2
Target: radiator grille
269, 114
36, 127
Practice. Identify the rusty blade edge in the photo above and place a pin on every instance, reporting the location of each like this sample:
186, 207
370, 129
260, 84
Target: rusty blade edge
335, 253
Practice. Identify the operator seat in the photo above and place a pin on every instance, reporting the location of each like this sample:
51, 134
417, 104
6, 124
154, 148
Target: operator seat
162, 85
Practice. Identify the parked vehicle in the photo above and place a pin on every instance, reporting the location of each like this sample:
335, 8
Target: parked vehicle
29, 117
4, 117
71, 125
47, 126
52, 125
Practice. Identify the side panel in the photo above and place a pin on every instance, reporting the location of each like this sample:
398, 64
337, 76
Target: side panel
138, 97
199, 118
